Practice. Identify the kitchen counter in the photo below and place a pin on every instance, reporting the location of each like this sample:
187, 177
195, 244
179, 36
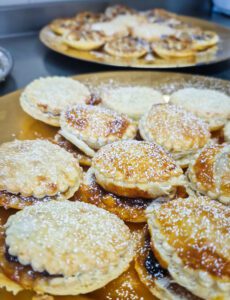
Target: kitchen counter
32, 59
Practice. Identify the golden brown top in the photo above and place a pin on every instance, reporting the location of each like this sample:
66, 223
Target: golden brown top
174, 128
212, 168
135, 161
126, 45
37, 168
199, 231
97, 122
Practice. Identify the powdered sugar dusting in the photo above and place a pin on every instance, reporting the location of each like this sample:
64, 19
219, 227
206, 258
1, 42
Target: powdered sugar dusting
135, 161
199, 230
94, 239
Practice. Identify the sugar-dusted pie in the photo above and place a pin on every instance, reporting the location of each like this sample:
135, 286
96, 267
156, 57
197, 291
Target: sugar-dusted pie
151, 32
173, 47
91, 127
211, 105
64, 248
45, 98
136, 169
190, 237
209, 173
128, 209
227, 132
64, 25
36, 171
84, 39
200, 39
126, 47
84, 160
156, 278
133, 101
175, 129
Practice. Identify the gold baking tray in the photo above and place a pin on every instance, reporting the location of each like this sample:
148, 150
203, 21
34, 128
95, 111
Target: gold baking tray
214, 54
14, 123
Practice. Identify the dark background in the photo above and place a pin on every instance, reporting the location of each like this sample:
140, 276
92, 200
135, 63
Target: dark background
19, 26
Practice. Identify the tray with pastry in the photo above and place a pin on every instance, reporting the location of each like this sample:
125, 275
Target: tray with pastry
122, 36
115, 186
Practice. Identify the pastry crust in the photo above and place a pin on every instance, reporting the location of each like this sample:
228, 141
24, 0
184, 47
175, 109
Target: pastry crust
64, 25
157, 279
45, 98
38, 169
126, 47
83, 159
91, 127
84, 39
173, 47
96, 254
152, 32
210, 105
209, 173
131, 100
227, 132
136, 169
175, 129
117, 10
190, 237
129, 210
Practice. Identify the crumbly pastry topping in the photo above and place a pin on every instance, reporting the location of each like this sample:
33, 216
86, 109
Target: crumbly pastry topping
53, 94
93, 122
110, 29
174, 128
205, 103
135, 161
37, 168
198, 229
93, 238
131, 100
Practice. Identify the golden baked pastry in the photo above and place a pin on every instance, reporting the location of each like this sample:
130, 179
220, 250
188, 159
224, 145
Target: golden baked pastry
200, 39
151, 32
36, 171
64, 25
115, 10
127, 209
97, 248
227, 132
126, 47
88, 17
84, 39
133, 101
136, 169
83, 159
175, 129
157, 279
209, 173
173, 47
45, 98
91, 127
190, 238
211, 105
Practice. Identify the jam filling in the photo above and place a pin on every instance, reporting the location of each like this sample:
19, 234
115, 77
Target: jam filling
153, 267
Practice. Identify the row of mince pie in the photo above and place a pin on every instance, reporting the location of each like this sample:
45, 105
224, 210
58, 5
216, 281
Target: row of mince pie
127, 33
